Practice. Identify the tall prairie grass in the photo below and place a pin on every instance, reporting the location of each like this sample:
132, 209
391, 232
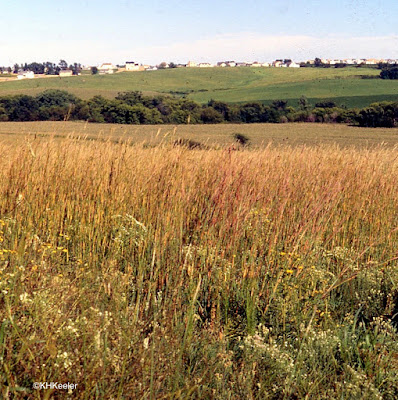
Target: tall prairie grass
173, 273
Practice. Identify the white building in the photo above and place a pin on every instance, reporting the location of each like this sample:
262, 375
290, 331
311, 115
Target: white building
133, 66
65, 72
205, 65
107, 68
25, 75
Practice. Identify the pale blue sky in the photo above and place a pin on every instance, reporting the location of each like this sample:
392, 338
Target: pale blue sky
152, 31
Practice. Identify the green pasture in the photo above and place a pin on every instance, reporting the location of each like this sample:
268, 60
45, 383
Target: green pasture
235, 85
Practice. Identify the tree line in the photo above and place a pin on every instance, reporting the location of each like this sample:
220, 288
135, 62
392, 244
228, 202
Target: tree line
44, 68
135, 108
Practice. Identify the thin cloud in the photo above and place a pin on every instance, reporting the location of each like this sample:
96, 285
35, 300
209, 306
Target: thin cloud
251, 46
244, 46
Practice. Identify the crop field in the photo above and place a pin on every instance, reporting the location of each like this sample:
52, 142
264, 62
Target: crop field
235, 85
213, 136
153, 271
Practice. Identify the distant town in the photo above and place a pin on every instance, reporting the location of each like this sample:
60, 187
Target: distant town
62, 69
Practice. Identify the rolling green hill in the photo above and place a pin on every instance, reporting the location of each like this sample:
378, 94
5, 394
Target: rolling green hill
345, 86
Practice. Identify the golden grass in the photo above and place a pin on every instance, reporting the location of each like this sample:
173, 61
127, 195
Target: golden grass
169, 273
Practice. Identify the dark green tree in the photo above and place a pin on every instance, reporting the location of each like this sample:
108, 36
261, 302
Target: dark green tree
389, 73
318, 62
63, 64
303, 103
211, 116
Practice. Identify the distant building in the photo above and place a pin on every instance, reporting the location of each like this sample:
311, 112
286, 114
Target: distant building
25, 75
106, 68
65, 72
205, 65
192, 64
133, 66
372, 61
226, 64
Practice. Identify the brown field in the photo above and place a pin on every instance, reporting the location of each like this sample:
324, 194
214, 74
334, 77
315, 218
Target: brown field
260, 135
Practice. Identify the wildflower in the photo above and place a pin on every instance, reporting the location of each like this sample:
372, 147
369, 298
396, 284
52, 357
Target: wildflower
24, 298
289, 271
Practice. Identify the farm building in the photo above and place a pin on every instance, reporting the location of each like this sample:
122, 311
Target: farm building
106, 68
133, 66
25, 75
65, 72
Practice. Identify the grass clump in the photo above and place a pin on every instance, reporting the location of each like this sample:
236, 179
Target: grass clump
162, 272
189, 144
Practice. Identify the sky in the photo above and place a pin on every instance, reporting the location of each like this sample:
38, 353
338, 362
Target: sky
152, 31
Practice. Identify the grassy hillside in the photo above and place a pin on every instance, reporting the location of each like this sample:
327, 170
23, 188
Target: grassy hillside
228, 84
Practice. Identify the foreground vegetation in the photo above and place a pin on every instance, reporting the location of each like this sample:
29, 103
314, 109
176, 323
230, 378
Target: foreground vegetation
166, 272
344, 86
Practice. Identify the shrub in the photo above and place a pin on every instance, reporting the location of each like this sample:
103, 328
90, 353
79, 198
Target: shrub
241, 139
